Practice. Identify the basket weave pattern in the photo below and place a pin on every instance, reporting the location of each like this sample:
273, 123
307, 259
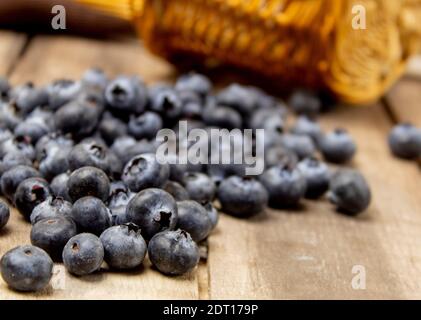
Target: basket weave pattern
295, 42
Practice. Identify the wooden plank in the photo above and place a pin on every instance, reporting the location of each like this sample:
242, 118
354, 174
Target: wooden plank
414, 67
310, 254
11, 45
50, 58
404, 101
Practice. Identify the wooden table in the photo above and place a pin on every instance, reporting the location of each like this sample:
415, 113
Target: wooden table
280, 255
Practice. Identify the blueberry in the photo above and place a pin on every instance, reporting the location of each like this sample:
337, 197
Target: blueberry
126, 94
153, 210
193, 218
212, 213
95, 155
79, 119
5, 134
9, 115
303, 146
278, 155
52, 234
111, 128
33, 127
145, 125
94, 78
167, 103
54, 162
126, 147
88, 181
91, 215
30, 193
308, 127
239, 98
52, 207
61, 92
223, 117
405, 141
305, 102
13, 177
195, 82
124, 247
349, 191
83, 254
285, 185
337, 146
176, 190
144, 171
242, 196
51, 141
59, 186
4, 214
199, 186
317, 177
173, 252
27, 97
191, 110
18, 144
26, 268
13, 159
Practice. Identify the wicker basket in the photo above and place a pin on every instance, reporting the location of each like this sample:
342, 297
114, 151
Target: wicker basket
297, 42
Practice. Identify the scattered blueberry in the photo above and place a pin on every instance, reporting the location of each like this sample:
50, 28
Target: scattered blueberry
52, 207
88, 181
29, 194
91, 215
193, 218
285, 185
317, 177
199, 186
124, 247
405, 141
26, 268
13, 177
173, 252
242, 196
83, 254
337, 146
349, 191
153, 210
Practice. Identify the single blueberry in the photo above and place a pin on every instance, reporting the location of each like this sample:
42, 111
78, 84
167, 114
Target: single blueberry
176, 190
193, 218
303, 146
199, 186
52, 207
242, 196
30, 193
153, 210
308, 127
337, 146
83, 254
59, 186
405, 141
145, 126
88, 181
91, 215
349, 191
305, 102
173, 252
26, 268
285, 185
126, 94
61, 92
195, 82
124, 247
317, 177
144, 171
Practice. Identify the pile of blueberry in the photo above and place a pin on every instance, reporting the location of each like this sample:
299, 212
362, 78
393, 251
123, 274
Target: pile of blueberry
77, 159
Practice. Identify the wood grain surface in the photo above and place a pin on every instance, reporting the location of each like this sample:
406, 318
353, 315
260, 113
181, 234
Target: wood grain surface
308, 254
11, 45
